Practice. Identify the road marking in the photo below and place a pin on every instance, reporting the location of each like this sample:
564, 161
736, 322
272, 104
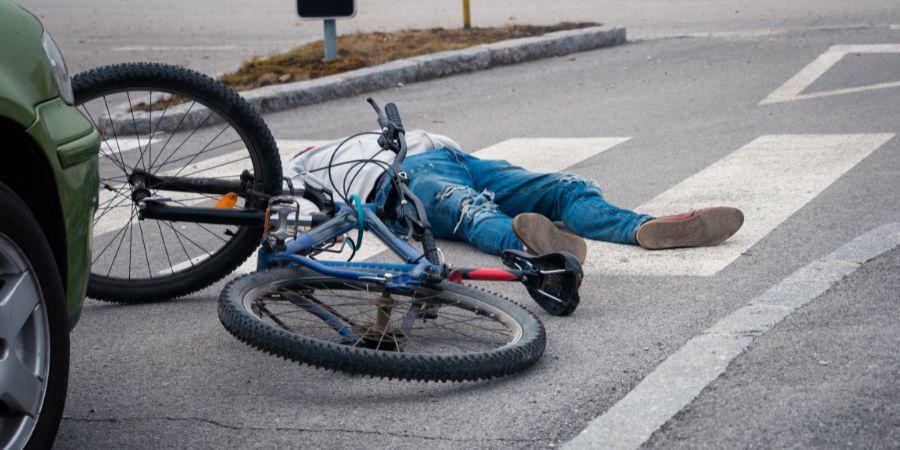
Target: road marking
548, 154
539, 154
791, 89
371, 244
769, 179
676, 382
229, 164
112, 147
895, 26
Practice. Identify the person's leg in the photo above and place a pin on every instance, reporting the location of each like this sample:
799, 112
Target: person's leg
454, 208
576, 201
579, 203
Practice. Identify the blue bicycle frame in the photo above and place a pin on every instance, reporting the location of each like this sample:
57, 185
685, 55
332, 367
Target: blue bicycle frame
415, 270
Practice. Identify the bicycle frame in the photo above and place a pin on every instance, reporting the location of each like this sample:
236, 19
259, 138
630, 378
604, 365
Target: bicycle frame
415, 270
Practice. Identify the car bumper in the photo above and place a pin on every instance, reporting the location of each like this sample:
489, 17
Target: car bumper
71, 145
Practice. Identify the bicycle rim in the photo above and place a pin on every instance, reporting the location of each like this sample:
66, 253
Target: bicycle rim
132, 254
455, 333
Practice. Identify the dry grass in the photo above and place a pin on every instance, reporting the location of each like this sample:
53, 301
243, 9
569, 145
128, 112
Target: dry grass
360, 50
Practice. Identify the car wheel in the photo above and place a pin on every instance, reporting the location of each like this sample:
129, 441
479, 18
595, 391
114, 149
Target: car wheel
34, 338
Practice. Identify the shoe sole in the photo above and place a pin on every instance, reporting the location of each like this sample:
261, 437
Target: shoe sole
707, 227
541, 236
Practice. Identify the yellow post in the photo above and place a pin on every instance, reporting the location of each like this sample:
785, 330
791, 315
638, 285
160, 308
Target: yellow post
467, 16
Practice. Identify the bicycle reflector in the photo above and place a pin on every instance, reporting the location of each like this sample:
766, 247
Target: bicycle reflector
227, 201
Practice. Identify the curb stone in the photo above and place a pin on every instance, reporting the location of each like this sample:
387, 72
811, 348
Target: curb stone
419, 68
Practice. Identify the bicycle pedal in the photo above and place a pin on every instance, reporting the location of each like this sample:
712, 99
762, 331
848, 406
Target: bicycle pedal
278, 228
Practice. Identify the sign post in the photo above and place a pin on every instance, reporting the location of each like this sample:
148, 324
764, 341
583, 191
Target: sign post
330, 39
467, 15
329, 11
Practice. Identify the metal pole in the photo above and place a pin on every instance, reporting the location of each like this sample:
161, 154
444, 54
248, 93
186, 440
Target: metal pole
467, 15
330, 39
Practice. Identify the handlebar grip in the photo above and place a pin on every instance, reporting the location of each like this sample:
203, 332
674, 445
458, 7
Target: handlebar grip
393, 114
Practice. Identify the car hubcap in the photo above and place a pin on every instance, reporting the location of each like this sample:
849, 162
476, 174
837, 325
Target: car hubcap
24, 346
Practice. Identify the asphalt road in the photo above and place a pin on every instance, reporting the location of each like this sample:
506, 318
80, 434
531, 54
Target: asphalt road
820, 380
214, 36
168, 374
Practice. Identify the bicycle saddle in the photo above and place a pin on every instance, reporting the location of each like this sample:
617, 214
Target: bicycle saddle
552, 279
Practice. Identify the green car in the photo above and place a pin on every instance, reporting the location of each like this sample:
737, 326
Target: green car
48, 195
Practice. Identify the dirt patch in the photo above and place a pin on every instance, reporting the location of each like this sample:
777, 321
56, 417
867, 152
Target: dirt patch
360, 50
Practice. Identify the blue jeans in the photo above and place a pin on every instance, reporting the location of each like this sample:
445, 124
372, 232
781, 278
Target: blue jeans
474, 200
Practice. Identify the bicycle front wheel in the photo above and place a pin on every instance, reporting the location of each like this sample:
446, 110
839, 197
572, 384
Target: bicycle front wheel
168, 121
455, 333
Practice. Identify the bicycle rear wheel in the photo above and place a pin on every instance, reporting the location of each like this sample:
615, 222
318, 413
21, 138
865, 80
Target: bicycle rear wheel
352, 326
169, 121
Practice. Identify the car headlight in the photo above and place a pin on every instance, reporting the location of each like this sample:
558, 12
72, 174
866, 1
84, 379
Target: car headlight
58, 68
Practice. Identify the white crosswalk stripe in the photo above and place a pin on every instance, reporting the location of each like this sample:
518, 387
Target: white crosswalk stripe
541, 154
548, 154
769, 179
114, 147
229, 164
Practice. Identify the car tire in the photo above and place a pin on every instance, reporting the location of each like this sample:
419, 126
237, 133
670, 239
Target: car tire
26, 257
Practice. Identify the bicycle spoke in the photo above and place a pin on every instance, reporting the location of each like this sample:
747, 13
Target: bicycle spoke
217, 166
172, 135
115, 133
108, 209
463, 332
177, 160
119, 247
116, 195
202, 150
116, 161
185, 140
165, 248
121, 231
183, 248
201, 226
146, 254
189, 239
137, 135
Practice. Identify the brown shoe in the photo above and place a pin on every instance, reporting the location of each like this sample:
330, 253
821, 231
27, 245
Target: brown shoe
541, 236
695, 228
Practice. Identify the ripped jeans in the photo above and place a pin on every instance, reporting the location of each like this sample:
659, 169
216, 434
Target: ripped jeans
474, 200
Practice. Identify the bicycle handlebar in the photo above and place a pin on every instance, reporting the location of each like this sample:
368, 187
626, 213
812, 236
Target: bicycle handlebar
393, 137
393, 115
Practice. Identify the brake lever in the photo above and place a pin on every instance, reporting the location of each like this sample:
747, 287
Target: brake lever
382, 120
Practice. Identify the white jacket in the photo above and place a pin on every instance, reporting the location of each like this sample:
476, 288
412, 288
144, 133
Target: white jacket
360, 178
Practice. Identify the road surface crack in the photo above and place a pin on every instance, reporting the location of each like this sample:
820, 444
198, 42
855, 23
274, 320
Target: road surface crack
293, 429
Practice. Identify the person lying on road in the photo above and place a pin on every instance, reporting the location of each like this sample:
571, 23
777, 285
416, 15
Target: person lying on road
495, 205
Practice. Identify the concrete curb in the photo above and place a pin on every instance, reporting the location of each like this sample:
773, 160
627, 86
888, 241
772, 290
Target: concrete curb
420, 68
